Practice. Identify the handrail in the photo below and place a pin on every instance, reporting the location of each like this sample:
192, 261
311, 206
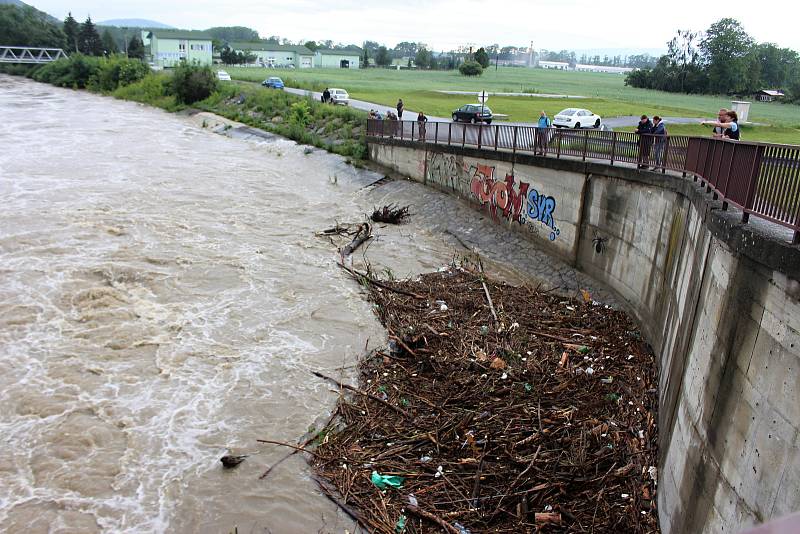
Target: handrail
761, 179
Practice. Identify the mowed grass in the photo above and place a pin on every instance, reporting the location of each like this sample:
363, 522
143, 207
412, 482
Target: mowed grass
606, 94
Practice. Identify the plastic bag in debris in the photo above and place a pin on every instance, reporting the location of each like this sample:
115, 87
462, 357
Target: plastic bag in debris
382, 481
400, 526
461, 528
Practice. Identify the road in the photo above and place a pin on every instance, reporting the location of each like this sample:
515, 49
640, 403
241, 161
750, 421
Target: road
409, 114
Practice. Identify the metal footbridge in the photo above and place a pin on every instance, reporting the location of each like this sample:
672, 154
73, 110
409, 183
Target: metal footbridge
30, 55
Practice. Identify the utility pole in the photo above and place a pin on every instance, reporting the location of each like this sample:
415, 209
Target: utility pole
530, 55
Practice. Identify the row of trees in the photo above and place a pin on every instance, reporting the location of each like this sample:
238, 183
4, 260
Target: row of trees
722, 60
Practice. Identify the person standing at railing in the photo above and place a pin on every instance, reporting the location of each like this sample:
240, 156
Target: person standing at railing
400, 108
421, 120
542, 133
660, 136
645, 131
728, 123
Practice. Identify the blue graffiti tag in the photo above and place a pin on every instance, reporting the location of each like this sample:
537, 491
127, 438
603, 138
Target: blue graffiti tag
541, 208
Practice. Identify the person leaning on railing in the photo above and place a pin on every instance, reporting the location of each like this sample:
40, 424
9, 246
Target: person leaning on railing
645, 131
542, 133
728, 123
660, 135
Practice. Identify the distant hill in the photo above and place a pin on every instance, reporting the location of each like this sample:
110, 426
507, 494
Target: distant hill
132, 23
18, 3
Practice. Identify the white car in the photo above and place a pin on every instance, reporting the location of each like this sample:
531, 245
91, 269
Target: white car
576, 118
223, 76
339, 96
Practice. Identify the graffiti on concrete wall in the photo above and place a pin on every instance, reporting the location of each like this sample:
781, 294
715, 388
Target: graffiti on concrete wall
507, 198
511, 200
445, 170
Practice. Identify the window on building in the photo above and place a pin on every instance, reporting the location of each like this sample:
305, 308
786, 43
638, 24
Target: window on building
181, 46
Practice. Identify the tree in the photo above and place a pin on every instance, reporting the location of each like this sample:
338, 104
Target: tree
423, 58
89, 41
724, 50
136, 48
109, 44
71, 31
482, 57
365, 59
311, 45
25, 26
683, 53
470, 68
382, 57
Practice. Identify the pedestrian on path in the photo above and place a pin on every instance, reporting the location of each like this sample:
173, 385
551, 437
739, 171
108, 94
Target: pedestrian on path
326, 96
400, 109
660, 136
645, 131
542, 134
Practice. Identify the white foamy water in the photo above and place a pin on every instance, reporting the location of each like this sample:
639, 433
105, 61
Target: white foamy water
162, 299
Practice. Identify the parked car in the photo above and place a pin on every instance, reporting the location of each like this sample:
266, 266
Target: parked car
576, 118
273, 82
473, 113
223, 76
339, 96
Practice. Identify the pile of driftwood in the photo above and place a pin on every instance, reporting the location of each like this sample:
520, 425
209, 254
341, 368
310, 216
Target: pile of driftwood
495, 409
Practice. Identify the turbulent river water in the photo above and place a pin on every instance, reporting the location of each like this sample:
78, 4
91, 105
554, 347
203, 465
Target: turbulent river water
163, 299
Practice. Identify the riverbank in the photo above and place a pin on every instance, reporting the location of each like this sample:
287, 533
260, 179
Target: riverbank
339, 130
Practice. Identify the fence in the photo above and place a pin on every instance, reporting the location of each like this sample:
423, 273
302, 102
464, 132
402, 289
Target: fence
759, 178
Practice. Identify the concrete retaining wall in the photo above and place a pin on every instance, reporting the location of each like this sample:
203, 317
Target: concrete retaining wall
718, 303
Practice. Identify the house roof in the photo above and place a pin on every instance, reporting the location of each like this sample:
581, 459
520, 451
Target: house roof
772, 92
339, 51
180, 34
271, 47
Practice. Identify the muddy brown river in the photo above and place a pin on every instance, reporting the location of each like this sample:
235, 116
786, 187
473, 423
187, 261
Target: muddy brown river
163, 300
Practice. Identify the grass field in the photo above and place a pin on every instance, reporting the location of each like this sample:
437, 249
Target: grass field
606, 94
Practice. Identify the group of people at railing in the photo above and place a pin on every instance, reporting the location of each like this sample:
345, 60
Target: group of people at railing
650, 133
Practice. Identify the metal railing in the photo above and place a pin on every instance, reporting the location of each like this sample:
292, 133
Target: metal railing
759, 178
30, 55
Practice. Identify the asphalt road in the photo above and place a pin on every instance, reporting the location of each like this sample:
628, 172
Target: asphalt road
409, 114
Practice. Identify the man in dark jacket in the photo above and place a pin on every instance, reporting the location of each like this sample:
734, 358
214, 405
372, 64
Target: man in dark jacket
400, 109
660, 137
645, 130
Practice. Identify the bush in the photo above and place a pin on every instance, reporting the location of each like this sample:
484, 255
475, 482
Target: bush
192, 83
470, 68
117, 71
300, 114
154, 89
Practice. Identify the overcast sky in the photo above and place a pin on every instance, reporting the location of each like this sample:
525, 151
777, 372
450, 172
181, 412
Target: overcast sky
447, 24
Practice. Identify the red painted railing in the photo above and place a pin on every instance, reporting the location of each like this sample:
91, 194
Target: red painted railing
759, 178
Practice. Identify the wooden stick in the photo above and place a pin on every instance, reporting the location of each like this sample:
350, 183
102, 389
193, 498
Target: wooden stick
295, 447
378, 283
486, 292
364, 393
447, 527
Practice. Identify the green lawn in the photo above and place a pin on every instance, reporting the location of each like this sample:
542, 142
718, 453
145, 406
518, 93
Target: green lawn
606, 94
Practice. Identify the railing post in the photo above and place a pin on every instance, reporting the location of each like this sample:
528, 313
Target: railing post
665, 156
412, 129
496, 135
480, 132
514, 142
755, 170
449, 132
585, 143
402, 133
613, 146
464, 137
436, 138
558, 150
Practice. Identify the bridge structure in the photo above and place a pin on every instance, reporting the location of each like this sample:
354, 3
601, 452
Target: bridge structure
30, 55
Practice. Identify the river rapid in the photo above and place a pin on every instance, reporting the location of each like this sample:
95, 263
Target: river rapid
163, 300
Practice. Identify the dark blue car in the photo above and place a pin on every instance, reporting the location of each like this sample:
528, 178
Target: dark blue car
273, 82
